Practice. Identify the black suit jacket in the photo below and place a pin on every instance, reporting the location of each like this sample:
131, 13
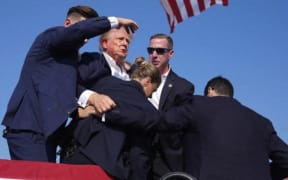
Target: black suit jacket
177, 91
107, 146
227, 140
223, 139
92, 67
45, 94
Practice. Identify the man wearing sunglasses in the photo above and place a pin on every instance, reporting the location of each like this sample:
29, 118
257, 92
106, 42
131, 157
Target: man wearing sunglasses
173, 91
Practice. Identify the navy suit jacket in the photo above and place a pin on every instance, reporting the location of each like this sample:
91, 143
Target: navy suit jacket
45, 94
227, 140
92, 67
176, 91
104, 145
223, 139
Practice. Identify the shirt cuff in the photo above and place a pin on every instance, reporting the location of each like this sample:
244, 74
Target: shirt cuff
83, 99
113, 21
103, 118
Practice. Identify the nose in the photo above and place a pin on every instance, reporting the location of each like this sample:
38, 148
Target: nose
125, 42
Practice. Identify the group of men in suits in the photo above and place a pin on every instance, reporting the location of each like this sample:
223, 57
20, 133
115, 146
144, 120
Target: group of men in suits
223, 139
45, 95
173, 91
206, 143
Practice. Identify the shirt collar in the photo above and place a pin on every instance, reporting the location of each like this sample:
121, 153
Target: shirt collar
164, 76
116, 70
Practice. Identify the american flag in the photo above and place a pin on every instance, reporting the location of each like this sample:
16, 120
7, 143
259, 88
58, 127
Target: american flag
178, 10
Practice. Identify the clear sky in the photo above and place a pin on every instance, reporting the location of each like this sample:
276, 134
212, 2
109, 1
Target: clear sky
247, 42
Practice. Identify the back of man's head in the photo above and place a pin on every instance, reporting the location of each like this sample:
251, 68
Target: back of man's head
219, 86
84, 11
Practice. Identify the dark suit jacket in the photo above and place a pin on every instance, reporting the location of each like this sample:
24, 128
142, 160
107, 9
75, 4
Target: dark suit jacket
231, 142
46, 92
106, 146
92, 67
176, 91
224, 140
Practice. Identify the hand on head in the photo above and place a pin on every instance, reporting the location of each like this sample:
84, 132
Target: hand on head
132, 25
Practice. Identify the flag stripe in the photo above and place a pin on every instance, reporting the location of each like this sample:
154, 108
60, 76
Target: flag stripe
169, 14
175, 10
182, 9
188, 7
201, 5
178, 10
213, 2
224, 2
195, 7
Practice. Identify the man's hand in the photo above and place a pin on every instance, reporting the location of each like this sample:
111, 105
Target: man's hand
101, 103
129, 23
86, 112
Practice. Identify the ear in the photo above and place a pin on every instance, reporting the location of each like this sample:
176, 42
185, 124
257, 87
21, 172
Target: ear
171, 53
67, 22
104, 43
211, 92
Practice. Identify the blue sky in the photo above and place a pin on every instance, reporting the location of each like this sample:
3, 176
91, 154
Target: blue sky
247, 42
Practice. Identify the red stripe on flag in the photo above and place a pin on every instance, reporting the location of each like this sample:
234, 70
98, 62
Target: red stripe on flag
172, 25
201, 5
225, 2
188, 7
212, 2
175, 10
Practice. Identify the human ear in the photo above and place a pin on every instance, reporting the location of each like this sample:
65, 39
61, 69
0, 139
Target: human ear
67, 22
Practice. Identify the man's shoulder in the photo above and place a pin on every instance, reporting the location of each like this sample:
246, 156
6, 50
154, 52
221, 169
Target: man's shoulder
175, 77
48, 32
91, 55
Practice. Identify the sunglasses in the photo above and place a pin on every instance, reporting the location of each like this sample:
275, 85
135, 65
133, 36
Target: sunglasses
158, 50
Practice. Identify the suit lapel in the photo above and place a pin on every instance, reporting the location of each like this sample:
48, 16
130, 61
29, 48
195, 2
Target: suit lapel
106, 66
166, 89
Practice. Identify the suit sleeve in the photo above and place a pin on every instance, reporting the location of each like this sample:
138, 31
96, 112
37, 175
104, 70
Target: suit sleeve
72, 37
159, 121
90, 70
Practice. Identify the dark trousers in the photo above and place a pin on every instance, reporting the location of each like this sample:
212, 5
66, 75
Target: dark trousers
31, 146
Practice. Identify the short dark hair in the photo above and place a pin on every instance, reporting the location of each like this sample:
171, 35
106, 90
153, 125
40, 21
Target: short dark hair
163, 36
84, 11
220, 85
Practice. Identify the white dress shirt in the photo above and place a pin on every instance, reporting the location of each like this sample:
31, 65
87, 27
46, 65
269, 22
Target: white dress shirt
157, 94
116, 71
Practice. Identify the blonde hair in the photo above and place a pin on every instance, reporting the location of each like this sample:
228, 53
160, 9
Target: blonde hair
105, 35
144, 69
